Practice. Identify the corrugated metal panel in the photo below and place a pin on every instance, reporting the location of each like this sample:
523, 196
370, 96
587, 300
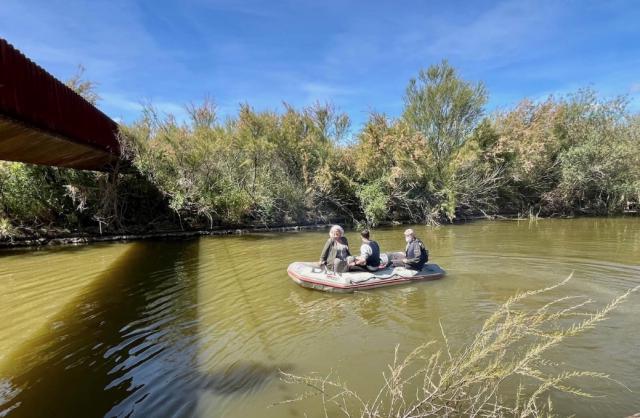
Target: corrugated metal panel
34, 97
27, 144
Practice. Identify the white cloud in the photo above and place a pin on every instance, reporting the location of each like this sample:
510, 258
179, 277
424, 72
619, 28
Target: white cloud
122, 107
171, 108
260, 9
121, 102
315, 90
509, 29
362, 61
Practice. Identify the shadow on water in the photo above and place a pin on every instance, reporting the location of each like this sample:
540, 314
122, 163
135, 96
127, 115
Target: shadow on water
70, 367
126, 346
245, 376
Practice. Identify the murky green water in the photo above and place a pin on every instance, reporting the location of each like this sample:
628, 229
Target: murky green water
188, 329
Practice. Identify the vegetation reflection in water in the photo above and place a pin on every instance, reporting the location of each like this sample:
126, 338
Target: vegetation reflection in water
188, 329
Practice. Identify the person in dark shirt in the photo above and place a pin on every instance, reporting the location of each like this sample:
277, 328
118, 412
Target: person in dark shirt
416, 255
369, 257
335, 251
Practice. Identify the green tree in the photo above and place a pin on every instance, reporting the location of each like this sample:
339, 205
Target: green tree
444, 109
374, 201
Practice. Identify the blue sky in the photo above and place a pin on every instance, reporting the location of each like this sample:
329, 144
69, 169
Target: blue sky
358, 55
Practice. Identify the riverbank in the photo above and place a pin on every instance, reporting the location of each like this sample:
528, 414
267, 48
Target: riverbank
77, 239
57, 237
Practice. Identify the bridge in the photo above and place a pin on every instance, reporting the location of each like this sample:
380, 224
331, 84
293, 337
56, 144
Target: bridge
42, 121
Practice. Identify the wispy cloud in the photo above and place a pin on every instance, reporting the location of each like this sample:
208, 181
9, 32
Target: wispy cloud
75, 32
324, 91
509, 29
634, 99
108, 38
358, 55
171, 108
120, 105
243, 7
121, 102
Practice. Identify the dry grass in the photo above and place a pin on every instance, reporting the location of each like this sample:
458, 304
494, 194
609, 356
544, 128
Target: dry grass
433, 382
7, 231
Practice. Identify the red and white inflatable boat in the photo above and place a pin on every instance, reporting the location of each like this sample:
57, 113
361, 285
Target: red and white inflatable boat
311, 276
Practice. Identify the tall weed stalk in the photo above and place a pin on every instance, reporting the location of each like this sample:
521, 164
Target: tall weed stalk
435, 380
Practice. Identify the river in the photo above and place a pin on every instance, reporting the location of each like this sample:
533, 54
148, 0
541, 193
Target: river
200, 327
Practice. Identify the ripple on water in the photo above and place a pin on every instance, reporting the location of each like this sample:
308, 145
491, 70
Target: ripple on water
187, 329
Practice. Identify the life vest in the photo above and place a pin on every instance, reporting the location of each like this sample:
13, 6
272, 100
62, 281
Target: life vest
374, 259
410, 251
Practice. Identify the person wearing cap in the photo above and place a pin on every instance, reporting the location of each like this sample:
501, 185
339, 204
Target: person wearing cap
416, 255
369, 257
335, 251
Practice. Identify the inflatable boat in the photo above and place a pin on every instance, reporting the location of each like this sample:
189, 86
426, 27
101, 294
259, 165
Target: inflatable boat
312, 276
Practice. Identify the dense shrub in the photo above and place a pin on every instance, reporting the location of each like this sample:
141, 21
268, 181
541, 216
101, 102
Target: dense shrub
438, 161
577, 154
261, 167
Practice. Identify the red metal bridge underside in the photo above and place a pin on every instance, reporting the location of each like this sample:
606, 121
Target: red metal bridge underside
42, 121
